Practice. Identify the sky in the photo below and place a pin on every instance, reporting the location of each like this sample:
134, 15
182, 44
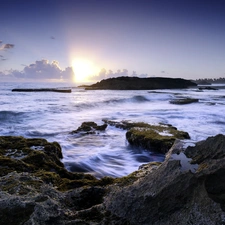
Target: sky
89, 40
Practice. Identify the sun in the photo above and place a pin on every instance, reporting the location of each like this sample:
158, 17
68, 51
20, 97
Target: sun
83, 69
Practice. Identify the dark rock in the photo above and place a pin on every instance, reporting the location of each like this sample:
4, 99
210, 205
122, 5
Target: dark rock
176, 191
207, 88
183, 101
211, 148
42, 90
89, 128
136, 83
172, 194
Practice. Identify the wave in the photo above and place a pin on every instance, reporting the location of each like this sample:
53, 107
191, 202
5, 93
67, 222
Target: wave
8, 115
36, 133
135, 99
113, 101
140, 98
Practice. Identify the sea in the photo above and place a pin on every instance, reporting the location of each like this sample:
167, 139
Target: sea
53, 116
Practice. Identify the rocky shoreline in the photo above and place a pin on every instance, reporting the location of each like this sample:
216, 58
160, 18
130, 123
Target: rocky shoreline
187, 188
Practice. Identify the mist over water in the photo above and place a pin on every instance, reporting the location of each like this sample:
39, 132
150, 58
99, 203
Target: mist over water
53, 116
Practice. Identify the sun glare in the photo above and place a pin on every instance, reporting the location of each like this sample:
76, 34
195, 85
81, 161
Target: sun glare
83, 69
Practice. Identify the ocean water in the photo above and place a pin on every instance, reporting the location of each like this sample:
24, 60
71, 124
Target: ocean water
53, 116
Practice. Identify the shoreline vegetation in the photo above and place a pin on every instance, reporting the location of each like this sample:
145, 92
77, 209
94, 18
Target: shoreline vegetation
36, 188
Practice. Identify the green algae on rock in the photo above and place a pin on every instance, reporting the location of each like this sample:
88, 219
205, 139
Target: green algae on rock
39, 158
157, 194
158, 138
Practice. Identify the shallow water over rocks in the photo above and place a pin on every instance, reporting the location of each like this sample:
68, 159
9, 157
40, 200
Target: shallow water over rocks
55, 115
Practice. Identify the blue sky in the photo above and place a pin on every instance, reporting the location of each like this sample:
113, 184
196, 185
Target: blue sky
178, 38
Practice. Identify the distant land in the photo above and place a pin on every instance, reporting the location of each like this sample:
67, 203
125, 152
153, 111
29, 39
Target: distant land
136, 83
208, 81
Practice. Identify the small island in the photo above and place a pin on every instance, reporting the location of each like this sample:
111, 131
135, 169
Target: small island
136, 83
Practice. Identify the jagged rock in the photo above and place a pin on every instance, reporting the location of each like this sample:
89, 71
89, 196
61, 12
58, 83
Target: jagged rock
89, 128
136, 83
187, 188
211, 148
172, 194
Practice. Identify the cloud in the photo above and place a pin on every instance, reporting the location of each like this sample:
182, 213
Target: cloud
43, 70
52, 37
104, 74
6, 46
1, 41
1, 56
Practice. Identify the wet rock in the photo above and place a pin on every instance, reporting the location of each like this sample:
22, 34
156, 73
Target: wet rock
183, 101
158, 138
89, 128
41, 159
124, 124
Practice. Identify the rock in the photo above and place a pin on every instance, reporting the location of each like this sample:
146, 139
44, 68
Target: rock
124, 124
183, 101
42, 90
158, 138
35, 188
136, 83
211, 148
172, 195
41, 159
171, 192
89, 128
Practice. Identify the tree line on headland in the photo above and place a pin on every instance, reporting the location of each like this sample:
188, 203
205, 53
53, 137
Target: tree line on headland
220, 80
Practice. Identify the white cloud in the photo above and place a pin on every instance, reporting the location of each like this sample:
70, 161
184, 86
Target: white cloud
42, 70
6, 46
104, 74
